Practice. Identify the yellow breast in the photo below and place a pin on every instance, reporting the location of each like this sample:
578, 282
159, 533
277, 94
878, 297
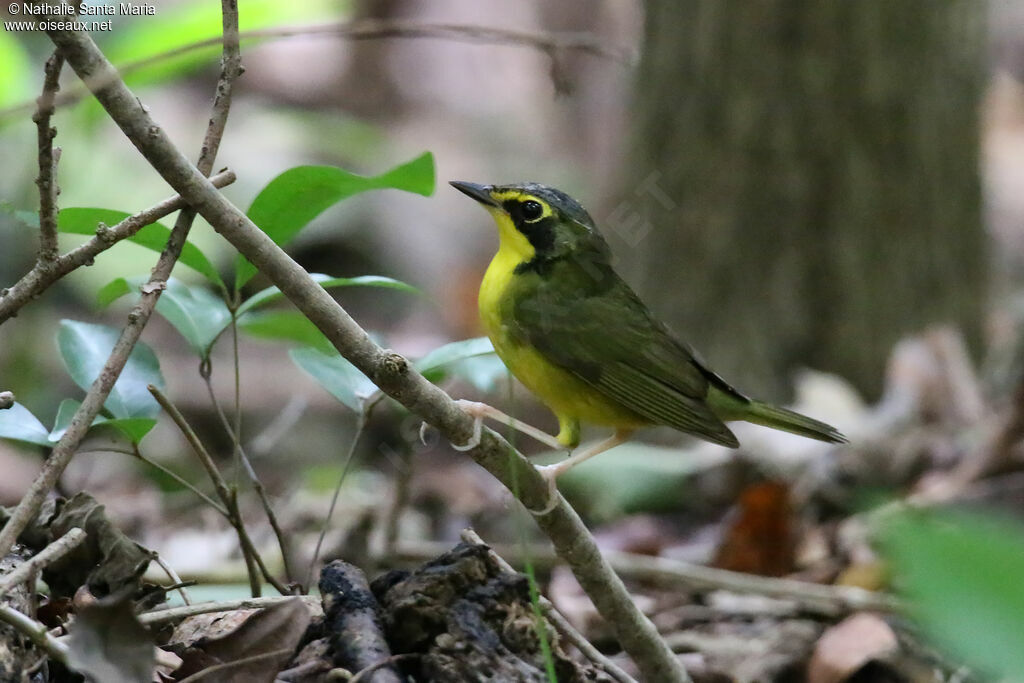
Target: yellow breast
568, 397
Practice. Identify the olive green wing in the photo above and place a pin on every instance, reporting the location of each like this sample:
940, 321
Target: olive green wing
610, 341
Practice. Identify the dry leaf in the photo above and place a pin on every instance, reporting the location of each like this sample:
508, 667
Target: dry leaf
846, 647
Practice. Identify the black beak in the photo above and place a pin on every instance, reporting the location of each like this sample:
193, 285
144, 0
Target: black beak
481, 193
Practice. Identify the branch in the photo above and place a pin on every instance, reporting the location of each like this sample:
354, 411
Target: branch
814, 598
165, 616
51, 553
42, 276
388, 370
374, 29
28, 507
48, 158
253, 561
36, 632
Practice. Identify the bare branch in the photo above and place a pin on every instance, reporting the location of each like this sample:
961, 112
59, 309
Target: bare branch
376, 29
34, 631
42, 276
389, 371
51, 553
165, 616
48, 158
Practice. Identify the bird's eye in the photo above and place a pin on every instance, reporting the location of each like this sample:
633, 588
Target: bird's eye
532, 210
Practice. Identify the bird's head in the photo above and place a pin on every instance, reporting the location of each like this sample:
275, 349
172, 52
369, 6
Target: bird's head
536, 221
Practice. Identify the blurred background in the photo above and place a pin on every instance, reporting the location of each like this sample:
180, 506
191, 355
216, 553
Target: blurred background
791, 186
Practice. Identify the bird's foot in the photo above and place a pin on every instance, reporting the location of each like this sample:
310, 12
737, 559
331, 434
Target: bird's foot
549, 473
477, 411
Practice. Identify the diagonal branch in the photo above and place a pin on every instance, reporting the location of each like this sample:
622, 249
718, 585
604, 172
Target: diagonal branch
389, 371
43, 275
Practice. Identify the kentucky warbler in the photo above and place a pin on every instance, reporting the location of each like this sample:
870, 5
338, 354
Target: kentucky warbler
576, 335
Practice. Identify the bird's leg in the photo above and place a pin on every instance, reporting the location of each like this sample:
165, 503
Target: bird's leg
551, 472
478, 411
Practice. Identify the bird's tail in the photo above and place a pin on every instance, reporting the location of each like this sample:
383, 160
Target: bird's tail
768, 415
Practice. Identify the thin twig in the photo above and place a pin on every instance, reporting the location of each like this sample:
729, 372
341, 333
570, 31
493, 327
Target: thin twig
51, 553
389, 371
375, 29
48, 158
253, 561
173, 576
43, 276
253, 477
165, 616
360, 425
184, 482
34, 631
557, 619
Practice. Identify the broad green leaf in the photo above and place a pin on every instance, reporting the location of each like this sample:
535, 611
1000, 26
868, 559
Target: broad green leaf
961, 574
82, 221
327, 282
335, 374
196, 312
284, 326
113, 290
85, 347
297, 196
19, 424
453, 352
132, 427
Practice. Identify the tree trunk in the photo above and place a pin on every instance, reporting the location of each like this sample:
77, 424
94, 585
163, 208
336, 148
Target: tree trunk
805, 187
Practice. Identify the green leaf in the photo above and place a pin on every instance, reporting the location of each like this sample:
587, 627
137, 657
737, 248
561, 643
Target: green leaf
196, 312
284, 326
85, 347
335, 374
297, 196
112, 291
269, 294
82, 221
961, 574
453, 352
18, 424
135, 428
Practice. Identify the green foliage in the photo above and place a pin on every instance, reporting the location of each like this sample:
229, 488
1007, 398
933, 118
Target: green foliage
961, 574
341, 379
190, 22
134, 428
19, 424
284, 326
85, 347
346, 383
83, 221
291, 200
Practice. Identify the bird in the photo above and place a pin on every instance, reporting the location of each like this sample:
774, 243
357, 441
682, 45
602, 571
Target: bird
575, 334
